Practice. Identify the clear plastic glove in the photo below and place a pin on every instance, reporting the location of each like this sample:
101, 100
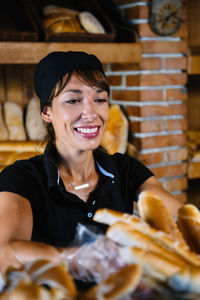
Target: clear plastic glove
93, 262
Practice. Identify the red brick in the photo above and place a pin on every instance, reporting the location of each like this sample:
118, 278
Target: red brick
164, 47
125, 67
114, 80
151, 63
156, 79
136, 12
177, 155
151, 95
125, 95
160, 141
177, 124
147, 126
176, 184
153, 111
176, 63
176, 94
172, 170
151, 158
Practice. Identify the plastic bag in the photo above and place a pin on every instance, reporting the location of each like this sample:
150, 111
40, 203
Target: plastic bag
95, 257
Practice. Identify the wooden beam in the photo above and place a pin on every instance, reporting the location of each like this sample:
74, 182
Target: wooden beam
32, 52
194, 64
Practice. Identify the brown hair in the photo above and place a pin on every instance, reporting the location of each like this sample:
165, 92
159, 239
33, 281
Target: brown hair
91, 77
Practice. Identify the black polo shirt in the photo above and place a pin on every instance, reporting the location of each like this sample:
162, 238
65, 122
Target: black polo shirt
56, 212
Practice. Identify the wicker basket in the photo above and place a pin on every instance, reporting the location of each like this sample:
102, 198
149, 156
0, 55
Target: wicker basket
36, 8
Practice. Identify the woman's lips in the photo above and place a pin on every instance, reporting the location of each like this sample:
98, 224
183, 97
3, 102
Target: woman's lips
88, 131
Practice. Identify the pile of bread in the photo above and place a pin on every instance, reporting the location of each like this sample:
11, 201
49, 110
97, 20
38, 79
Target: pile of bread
58, 19
17, 124
156, 251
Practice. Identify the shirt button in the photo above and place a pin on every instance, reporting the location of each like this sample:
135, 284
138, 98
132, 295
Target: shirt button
89, 215
113, 181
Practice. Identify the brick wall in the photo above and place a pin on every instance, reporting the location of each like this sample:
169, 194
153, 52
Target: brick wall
154, 96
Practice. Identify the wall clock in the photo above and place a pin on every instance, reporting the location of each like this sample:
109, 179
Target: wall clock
165, 16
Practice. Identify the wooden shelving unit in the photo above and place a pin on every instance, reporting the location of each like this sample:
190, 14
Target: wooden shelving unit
194, 61
32, 52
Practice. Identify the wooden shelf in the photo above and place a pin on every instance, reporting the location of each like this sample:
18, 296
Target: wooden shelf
194, 61
32, 52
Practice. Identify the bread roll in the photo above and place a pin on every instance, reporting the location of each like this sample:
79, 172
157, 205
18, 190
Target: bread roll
34, 122
14, 121
90, 23
153, 211
3, 129
62, 23
189, 224
116, 286
54, 9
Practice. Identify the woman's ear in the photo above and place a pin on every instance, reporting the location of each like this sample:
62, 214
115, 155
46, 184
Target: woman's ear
46, 114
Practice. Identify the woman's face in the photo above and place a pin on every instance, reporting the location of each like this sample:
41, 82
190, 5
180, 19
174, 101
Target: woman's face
79, 115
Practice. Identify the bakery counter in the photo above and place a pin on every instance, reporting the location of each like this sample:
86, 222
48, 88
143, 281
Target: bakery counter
32, 52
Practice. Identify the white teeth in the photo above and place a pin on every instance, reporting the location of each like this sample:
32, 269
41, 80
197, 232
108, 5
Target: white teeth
87, 130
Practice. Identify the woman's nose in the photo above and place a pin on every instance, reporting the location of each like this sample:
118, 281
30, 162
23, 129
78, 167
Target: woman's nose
89, 112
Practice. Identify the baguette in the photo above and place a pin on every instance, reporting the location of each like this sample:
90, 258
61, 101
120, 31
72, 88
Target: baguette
153, 211
189, 224
186, 280
153, 264
116, 286
124, 235
3, 129
21, 146
108, 216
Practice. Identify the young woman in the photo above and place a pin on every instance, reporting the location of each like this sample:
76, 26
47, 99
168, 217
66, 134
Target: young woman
42, 199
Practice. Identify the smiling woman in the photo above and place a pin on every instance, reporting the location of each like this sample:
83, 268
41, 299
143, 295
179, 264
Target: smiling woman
44, 198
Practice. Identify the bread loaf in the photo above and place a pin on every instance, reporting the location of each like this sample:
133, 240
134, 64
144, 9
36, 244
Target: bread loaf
189, 224
116, 286
90, 23
153, 211
14, 121
3, 129
34, 122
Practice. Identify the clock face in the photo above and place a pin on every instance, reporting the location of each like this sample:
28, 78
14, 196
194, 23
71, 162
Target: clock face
165, 16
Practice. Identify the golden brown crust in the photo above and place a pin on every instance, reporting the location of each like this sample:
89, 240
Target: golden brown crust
125, 235
116, 286
189, 224
153, 211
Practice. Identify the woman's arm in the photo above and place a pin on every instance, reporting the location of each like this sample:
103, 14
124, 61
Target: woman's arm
152, 185
16, 223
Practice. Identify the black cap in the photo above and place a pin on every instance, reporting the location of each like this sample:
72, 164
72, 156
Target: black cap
55, 65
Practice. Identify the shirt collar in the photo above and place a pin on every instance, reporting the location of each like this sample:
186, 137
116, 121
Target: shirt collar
104, 163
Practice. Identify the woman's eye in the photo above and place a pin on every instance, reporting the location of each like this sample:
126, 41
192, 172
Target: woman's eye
73, 101
101, 100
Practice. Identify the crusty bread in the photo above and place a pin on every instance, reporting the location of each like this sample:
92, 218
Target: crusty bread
90, 23
3, 129
14, 121
189, 224
21, 146
153, 211
108, 216
186, 280
123, 234
153, 264
54, 9
62, 23
116, 286
34, 122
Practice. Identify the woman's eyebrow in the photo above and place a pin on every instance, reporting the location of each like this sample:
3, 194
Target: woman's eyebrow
73, 91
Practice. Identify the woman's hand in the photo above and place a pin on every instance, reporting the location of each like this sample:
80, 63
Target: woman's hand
94, 261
